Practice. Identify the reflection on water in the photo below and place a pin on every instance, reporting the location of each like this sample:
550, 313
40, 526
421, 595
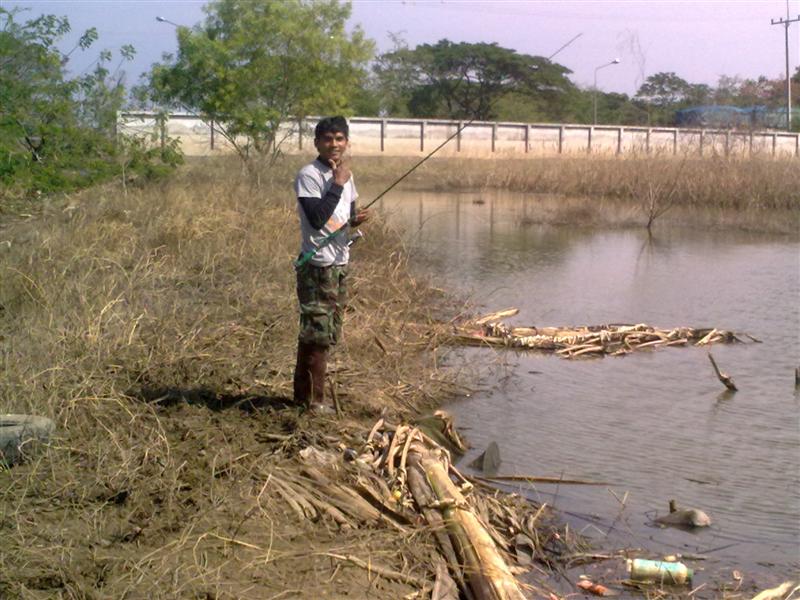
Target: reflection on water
657, 425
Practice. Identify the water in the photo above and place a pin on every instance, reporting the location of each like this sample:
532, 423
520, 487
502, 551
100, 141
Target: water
654, 425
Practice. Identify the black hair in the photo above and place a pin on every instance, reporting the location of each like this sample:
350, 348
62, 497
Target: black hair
332, 125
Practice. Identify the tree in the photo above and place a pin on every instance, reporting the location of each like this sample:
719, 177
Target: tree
253, 65
664, 93
698, 94
756, 92
618, 108
465, 81
664, 90
33, 95
56, 133
728, 89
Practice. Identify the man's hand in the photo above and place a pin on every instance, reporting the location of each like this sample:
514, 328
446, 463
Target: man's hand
341, 171
362, 214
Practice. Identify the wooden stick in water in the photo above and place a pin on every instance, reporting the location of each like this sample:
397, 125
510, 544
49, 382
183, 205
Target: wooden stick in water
533, 479
726, 379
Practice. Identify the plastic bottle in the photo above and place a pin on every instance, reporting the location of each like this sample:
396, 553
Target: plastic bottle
659, 571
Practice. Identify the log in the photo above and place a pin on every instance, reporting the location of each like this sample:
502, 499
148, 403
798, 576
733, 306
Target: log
423, 496
487, 573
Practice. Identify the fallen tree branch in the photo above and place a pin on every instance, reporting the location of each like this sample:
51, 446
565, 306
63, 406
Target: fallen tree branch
726, 379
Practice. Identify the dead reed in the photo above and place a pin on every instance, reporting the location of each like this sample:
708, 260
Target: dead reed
157, 327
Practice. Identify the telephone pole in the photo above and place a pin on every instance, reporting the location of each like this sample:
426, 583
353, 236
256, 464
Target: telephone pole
786, 22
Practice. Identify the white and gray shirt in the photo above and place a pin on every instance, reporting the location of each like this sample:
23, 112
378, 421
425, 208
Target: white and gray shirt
316, 194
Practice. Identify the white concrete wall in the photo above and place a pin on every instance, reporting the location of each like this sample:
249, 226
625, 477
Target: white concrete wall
404, 137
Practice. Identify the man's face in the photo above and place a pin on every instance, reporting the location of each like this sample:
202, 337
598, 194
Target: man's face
331, 146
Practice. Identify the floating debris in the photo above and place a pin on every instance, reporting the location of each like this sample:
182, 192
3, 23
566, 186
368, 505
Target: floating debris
589, 340
783, 592
597, 589
659, 571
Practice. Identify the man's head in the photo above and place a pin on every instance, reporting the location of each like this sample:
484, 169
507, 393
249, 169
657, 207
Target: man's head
331, 138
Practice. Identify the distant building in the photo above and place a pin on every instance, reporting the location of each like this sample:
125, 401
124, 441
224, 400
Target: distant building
734, 117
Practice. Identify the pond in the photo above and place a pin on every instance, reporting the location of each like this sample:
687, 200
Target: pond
654, 425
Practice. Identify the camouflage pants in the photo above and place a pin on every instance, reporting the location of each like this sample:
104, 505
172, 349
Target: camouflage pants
322, 293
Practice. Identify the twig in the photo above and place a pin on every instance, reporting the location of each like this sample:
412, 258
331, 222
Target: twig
382, 571
335, 397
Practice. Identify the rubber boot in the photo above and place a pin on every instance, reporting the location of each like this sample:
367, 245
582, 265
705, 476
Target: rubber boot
302, 375
318, 368
309, 378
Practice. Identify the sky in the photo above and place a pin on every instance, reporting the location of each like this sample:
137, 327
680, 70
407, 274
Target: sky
698, 40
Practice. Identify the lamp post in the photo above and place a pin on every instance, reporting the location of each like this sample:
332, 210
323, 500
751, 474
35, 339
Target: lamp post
594, 93
163, 20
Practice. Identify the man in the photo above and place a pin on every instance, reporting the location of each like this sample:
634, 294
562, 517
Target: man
326, 201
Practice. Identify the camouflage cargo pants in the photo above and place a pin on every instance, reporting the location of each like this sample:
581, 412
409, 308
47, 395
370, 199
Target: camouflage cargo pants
322, 293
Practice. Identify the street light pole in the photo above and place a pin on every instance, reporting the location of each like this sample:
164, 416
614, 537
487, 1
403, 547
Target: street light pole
594, 89
163, 20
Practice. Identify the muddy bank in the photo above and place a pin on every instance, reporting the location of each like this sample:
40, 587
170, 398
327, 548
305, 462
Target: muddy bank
157, 329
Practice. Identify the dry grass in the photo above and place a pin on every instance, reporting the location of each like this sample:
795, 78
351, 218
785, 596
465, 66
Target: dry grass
158, 329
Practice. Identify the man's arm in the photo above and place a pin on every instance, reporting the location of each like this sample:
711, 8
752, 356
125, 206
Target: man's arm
319, 210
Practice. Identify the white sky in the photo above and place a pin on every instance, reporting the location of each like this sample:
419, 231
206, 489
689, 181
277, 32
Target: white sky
698, 40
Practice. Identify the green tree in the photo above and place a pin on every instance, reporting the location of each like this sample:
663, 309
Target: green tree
395, 78
255, 65
698, 94
619, 109
662, 94
34, 98
463, 80
56, 133
663, 90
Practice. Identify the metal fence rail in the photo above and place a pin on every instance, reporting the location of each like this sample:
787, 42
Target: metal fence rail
403, 137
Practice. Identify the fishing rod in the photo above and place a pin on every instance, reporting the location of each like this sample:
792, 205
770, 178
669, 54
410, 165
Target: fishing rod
412, 169
307, 256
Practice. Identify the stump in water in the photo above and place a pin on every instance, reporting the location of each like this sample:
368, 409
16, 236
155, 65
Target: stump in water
489, 460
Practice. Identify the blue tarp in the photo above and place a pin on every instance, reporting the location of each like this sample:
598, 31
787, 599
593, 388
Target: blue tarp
733, 117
